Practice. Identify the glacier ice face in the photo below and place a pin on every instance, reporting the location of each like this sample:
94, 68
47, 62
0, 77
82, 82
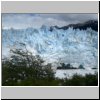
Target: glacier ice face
72, 46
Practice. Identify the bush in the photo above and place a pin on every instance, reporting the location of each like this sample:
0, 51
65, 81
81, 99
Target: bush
24, 69
78, 80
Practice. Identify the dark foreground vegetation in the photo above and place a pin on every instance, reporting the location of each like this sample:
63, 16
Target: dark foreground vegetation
24, 69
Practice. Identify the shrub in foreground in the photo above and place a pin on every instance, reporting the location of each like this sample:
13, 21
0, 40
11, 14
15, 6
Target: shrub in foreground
24, 69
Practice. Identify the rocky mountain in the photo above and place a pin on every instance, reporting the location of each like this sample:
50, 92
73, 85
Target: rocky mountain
93, 24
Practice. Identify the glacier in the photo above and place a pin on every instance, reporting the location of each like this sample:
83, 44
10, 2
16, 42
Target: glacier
72, 46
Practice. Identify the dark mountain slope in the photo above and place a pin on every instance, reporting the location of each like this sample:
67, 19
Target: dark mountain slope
93, 24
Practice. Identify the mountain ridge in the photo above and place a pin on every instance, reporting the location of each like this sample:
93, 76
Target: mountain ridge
93, 24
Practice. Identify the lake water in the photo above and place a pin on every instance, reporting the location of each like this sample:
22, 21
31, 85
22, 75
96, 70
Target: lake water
70, 72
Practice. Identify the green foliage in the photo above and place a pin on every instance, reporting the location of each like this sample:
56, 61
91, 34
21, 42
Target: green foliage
24, 69
78, 80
